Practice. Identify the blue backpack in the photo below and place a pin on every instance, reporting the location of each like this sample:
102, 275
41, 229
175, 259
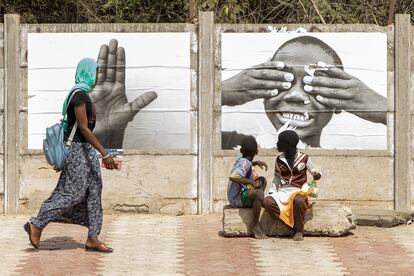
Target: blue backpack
54, 148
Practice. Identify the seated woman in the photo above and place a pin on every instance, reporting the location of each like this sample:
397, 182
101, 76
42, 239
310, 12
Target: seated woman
286, 200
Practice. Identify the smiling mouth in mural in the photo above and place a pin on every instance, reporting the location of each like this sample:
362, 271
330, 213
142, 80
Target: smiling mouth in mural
298, 119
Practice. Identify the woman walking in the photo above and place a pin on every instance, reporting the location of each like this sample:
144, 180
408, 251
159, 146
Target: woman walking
77, 196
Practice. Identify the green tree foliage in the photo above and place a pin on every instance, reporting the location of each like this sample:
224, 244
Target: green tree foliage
226, 11
115, 11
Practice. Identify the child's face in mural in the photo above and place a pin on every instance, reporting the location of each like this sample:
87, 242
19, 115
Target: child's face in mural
295, 104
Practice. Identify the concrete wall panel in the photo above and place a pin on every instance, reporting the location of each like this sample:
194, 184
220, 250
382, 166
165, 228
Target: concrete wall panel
156, 184
354, 181
166, 182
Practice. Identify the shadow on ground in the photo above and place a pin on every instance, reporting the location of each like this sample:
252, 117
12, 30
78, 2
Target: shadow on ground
57, 243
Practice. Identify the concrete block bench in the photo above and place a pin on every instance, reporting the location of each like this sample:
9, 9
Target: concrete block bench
322, 220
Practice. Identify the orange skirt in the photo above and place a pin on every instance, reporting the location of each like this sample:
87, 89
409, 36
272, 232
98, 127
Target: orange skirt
286, 213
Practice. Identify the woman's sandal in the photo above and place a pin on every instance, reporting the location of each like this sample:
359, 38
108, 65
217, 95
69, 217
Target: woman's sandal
27, 227
101, 247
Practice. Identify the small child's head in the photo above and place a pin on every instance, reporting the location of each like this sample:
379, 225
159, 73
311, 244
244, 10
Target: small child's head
287, 142
249, 147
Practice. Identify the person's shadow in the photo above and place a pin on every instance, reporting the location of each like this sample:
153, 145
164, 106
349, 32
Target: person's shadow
57, 243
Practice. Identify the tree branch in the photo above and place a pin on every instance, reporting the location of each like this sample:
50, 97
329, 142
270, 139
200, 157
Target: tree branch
317, 11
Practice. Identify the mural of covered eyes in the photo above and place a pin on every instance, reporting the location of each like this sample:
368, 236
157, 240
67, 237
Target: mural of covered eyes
337, 95
311, 68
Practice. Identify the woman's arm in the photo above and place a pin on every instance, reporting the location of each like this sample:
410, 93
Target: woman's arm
277, 182
82, 119
277, 178
312, 169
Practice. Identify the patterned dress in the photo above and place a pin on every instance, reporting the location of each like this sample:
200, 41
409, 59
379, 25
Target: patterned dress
77, 196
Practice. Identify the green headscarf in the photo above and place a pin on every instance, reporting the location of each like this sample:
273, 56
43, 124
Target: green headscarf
85, 79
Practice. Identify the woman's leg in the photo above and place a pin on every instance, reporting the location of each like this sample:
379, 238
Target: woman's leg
94, 207
66, 195
299, 209
94, 199
270, 205
69, 192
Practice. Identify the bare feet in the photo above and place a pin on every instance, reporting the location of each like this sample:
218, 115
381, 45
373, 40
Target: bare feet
34, 234
258, 233
298, 236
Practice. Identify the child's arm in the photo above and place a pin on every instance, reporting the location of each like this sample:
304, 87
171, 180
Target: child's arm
312, 169
277, 179
245, 181
261, 164
240, 172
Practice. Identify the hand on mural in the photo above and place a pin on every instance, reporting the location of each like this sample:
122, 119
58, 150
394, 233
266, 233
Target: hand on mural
261, 81
336, 88
113, 111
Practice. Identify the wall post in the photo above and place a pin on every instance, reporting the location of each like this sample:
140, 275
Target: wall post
205, 115
402, 128
11, 114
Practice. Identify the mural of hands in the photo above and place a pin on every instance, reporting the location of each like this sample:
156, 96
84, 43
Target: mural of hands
337, 89
265, 80
113, 111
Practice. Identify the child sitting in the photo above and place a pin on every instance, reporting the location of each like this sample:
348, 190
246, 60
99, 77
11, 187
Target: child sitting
285, 195
245, 189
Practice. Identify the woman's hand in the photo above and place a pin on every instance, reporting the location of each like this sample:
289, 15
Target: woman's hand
337, 89
261, 164
317, 175
109, 163
265, 80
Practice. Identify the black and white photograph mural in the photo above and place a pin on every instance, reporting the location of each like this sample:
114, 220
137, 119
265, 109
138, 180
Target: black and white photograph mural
330, 87
142, 98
